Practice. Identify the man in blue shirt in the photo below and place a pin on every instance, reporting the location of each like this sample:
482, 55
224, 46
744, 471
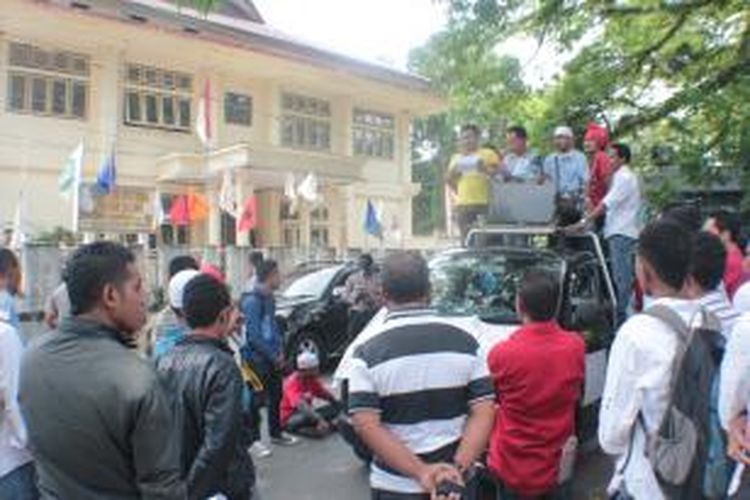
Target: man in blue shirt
264, 350
567, 167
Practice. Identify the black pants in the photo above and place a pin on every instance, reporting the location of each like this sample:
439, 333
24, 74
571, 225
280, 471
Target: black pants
467, 216
562, 492
300, 421
272, 383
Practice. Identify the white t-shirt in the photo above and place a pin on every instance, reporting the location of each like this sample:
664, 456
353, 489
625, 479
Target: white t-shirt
734, 390
13, 452
638, 377
623, 202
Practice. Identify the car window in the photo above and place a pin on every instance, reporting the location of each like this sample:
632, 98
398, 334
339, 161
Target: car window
484, 283
311, 285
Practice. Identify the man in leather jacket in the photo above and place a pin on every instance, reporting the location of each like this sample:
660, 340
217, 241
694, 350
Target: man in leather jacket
201, 374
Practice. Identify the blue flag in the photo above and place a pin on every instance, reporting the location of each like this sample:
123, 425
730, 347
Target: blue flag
107, 175
372, 224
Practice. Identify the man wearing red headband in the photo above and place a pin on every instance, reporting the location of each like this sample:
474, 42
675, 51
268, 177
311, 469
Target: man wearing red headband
595, 144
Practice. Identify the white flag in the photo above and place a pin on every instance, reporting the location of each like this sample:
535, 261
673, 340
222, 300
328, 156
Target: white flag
18, 239
158, 211
308, 188
290, 193
70, 177
228, 194
203, 118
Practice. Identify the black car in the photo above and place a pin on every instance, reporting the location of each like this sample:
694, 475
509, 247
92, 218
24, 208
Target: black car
312, 313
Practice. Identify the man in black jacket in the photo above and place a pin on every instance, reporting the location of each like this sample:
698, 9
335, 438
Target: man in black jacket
201, 374
99, 423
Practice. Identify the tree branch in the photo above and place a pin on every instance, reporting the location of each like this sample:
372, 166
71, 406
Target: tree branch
648, 51
663, 8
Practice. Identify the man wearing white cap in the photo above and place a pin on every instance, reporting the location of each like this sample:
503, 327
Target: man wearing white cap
568, 170
299, 415
173, 328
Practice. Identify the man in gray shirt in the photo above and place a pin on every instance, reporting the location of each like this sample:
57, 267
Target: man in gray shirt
99, 423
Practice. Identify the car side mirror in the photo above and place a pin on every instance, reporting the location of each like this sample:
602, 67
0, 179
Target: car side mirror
338, 292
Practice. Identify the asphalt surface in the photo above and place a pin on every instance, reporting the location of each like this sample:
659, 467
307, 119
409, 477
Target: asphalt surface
328, 470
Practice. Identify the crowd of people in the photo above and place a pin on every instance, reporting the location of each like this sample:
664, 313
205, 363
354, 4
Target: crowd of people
95, 409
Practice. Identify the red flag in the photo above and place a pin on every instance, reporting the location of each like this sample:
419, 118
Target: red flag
179, 215
249, 217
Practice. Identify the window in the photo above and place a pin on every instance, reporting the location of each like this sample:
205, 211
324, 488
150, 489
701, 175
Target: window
238, 109
305, 122
373, 134
291, 232
319, 227
47, 83
158, 98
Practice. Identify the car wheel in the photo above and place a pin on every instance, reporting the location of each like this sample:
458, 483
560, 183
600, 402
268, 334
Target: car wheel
309, 342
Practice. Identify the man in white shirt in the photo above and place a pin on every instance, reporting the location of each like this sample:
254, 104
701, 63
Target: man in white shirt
622, 206
17, 477
641, 360
705, 280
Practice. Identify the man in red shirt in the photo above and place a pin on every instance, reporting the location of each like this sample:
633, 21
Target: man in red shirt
595, 143
538, 373
726, 225
299, 415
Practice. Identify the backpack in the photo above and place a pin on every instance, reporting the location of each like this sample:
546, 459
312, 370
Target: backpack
682, 451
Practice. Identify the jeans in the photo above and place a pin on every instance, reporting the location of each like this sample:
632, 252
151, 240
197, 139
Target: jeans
622, 262
272, 384
20, 484
562, 492
300, 422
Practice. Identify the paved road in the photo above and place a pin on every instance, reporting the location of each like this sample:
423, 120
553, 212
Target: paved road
327, 470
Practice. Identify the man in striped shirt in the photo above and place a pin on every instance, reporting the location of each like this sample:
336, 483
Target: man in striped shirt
420, 394
706, 272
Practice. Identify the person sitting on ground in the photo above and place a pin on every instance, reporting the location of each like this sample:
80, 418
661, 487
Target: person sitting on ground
100, 424
299, 415
704, 283
726, 225
166, 327
420, 395
538, 375
363, 291
206, 384
17, 477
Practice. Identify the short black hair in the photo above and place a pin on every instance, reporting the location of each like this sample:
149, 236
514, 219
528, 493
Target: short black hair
266, 269
255, 258
667, 247
406, 277
366, 260
622, 150
688, 215
539, 294
8, 262
91, 268
728, 221
204, 299
470, 127
708, 261
182, 263
519, 131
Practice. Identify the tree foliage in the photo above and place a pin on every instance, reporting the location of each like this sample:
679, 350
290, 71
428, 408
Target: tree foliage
658, 72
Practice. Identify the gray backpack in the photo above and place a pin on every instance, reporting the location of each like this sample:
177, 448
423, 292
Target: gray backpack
678, 450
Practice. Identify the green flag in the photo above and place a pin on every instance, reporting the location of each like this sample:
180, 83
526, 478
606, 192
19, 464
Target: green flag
70, 177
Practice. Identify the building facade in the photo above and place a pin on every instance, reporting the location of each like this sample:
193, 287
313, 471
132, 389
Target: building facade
131, 78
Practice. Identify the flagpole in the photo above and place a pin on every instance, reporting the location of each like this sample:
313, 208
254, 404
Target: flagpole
77, 174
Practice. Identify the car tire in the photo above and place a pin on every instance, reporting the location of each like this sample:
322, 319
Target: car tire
311, 342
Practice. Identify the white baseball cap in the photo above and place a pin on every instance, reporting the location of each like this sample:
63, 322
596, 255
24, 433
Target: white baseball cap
307, 361
177, 286
564, 131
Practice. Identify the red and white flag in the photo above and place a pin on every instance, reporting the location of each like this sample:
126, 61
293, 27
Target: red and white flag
203, 121
249, 218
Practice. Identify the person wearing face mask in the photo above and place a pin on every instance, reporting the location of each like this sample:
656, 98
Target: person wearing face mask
469, 177
99, 422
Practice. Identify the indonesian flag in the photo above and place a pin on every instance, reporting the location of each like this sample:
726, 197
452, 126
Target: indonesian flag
203, 122
188, 208
249, 218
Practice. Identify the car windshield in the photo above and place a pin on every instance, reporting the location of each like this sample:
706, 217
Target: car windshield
484, 283
312, 284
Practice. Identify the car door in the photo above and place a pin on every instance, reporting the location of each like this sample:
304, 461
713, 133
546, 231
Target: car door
334, 322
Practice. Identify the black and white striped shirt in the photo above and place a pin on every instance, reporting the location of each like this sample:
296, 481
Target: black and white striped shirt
421, 373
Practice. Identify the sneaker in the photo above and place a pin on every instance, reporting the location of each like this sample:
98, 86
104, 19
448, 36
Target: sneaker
285, 440
260, 450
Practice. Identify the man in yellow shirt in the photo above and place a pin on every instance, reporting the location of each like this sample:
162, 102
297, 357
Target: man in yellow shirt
469, 178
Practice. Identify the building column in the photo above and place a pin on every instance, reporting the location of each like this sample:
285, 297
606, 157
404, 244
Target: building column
214, 214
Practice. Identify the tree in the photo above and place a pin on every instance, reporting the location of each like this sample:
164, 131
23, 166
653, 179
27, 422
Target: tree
657, 72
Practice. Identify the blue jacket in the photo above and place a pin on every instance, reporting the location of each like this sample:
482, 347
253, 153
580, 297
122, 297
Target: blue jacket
263, 338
